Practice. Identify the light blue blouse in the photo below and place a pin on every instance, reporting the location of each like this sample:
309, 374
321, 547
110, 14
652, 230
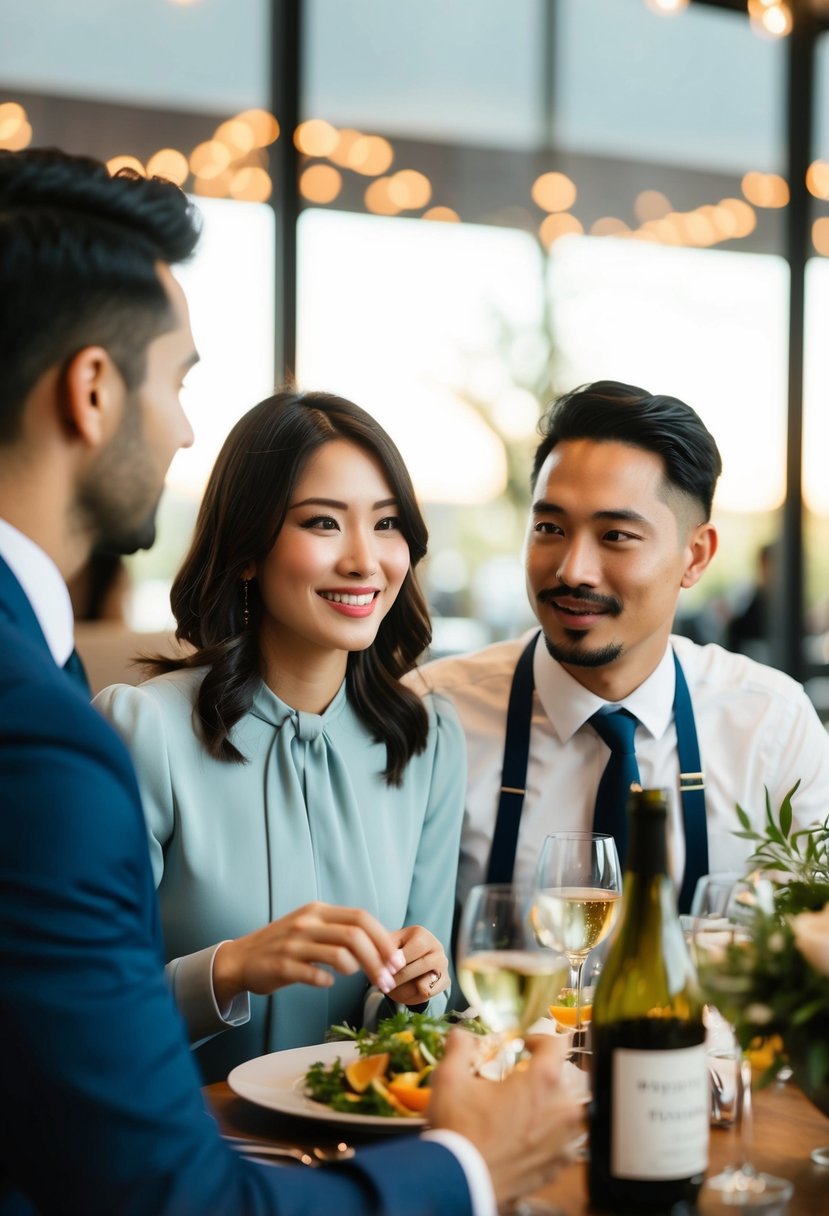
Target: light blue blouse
309, 816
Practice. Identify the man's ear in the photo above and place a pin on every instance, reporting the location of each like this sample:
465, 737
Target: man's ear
702, 544
93, 396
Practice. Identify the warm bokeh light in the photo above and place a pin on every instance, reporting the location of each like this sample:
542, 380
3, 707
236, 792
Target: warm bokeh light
553, 192
169, 163
316, 137
817, 179
557, 226
263, 126
770, 18
210, 159
378, 200
214, 187
820, 236
237, 135
346, 139
745, 221
125, 162
250, 185
12, 118
369, 155
608, 225
320, 183
765, 189
409, 189
697, 228
651, 205
666, 8
21, 138
444, 215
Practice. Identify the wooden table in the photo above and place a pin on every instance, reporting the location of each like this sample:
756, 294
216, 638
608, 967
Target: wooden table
786, 1128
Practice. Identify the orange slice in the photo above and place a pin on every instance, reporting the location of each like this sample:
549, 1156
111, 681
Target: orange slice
361, 1073
393, 1101
565, 1015
415, 1098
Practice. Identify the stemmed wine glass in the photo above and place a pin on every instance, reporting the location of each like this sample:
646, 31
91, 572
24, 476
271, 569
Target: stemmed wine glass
503, 973
508, 979
722, 911
578, 893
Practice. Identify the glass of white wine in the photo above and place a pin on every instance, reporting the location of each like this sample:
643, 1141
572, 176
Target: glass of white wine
508, 979
578, 898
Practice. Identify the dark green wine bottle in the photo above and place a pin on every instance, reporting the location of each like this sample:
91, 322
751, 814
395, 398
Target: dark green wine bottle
649, 1117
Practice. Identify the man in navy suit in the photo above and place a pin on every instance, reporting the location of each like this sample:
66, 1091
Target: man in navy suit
101, 1102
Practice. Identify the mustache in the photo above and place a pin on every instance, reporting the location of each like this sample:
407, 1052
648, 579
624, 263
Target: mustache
548, 595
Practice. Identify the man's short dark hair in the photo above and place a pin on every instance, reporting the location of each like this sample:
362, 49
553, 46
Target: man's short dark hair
78, 266
608, 411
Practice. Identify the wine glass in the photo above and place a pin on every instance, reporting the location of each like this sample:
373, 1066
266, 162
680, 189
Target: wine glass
508, 979
722, 911
577, 903
502, 971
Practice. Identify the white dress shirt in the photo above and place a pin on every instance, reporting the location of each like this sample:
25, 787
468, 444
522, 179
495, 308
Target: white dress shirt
756, 727
44, 587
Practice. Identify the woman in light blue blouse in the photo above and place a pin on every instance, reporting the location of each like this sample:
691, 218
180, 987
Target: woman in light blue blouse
304, 807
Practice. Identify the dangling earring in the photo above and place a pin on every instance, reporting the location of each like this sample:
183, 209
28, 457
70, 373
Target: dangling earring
245, 607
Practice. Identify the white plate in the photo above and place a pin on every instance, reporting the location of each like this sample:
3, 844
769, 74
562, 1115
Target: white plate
277, 1081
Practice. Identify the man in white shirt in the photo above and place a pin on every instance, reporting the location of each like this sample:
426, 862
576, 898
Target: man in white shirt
620, 523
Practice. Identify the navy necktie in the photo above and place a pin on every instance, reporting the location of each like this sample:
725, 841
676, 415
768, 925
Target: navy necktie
618, 729
76, 671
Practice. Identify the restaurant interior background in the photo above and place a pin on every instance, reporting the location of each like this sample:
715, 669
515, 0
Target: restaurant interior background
451, 212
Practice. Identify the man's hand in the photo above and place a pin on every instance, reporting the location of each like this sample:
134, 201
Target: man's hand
522, 1126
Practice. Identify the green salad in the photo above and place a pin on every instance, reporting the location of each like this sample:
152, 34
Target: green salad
392, 1071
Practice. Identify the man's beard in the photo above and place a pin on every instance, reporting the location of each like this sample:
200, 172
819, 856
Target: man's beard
573, 652
118, 500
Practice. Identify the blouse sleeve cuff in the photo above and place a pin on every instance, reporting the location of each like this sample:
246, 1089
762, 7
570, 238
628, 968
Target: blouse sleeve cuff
191, 979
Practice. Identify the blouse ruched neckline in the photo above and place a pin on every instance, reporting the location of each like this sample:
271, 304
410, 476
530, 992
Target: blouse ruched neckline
268, 707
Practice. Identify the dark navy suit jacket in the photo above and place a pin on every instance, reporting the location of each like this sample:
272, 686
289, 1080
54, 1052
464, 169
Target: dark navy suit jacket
101, 1104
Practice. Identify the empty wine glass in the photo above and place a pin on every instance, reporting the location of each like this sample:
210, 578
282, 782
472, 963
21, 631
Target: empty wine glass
722, 912
577, 900
502, 971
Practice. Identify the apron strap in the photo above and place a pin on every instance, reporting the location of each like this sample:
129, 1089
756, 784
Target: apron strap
514, 779
691, 790
514, 769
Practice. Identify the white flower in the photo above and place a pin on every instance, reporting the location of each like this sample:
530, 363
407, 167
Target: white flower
811, 935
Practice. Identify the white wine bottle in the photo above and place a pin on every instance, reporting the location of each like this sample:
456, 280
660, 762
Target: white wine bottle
649, 1123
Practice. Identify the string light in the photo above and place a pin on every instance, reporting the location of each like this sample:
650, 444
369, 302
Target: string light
666, 8
125, 162
320, 183
553, 192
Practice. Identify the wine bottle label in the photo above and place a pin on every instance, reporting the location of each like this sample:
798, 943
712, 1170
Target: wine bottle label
660, 1113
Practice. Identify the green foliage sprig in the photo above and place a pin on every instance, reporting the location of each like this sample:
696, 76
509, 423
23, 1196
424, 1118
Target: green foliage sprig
782, 996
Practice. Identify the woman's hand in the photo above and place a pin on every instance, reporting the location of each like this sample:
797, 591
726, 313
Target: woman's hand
295, 948
426, 970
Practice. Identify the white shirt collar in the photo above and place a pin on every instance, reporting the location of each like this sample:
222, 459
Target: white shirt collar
44, 587
569, 704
